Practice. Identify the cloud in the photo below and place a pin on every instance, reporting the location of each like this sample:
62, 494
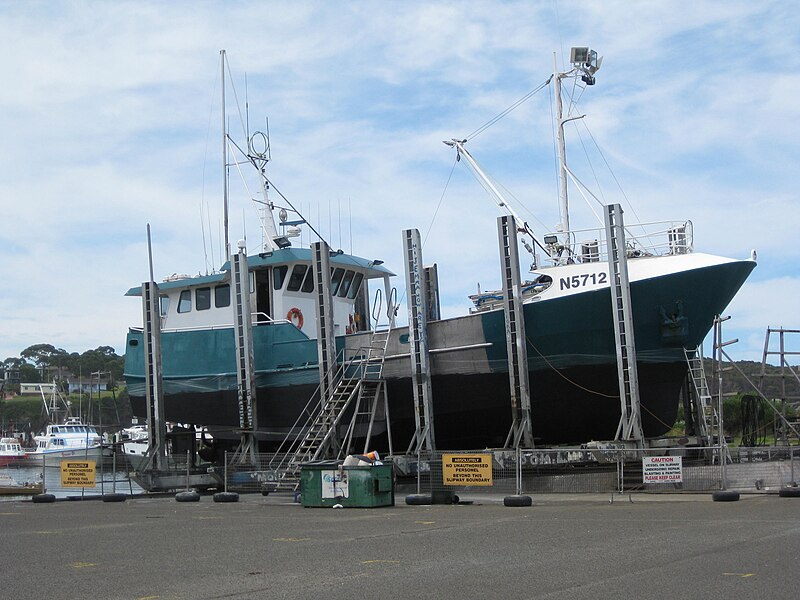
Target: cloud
110, 114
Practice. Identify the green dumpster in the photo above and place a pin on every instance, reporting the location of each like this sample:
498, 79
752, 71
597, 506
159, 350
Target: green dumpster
328, 483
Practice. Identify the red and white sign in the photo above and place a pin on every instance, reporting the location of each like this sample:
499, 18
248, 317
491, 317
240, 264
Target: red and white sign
662, 469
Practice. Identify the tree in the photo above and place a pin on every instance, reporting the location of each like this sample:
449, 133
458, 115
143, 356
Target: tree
13, 364
102, 359
44, 356
29, 374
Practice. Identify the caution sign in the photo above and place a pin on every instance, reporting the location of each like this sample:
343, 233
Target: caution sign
78, 473
662, 469
467, 469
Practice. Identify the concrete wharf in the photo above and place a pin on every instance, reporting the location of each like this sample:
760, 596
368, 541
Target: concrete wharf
564, 546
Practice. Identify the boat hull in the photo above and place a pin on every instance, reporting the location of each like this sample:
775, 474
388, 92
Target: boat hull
54, 458
571, 356
21, 490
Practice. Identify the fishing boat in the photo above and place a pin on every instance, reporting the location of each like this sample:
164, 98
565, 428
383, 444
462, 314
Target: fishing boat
10, 451
70, 439
570, 333
11, 487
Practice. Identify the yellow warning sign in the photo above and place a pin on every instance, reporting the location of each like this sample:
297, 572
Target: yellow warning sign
78, 473
467, 469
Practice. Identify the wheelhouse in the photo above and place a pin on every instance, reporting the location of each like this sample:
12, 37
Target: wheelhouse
282, 288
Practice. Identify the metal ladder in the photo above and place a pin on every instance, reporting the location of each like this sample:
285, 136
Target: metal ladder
630, 424
372, 388
705, 411
358, 380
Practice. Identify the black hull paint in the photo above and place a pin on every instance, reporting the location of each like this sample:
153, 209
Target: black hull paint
582, 404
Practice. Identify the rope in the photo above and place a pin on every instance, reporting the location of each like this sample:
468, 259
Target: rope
585, 389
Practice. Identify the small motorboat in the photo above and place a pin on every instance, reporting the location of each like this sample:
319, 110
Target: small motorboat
10, 451
11, 487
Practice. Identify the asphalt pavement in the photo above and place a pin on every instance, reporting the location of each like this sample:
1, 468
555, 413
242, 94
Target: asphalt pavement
564, 546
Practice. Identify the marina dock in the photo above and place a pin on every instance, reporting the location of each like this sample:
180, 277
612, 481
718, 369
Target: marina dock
564, 546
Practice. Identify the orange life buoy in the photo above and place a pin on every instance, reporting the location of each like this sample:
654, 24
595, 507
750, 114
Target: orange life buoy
295, 317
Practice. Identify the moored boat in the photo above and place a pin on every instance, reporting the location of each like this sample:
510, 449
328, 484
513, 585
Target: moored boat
70, 439
10, 451
11, 487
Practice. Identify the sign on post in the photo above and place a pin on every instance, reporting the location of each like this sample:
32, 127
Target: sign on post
467, 469
662, 469
77, 473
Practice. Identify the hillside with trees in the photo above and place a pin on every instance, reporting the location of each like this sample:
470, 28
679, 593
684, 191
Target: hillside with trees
44, 363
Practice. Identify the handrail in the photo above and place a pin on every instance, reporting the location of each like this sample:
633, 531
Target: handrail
391, 307
222, 326
376, 306
341, 371
657, 238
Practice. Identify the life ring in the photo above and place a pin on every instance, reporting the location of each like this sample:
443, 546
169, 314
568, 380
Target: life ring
295, 317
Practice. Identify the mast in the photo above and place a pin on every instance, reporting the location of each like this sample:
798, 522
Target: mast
584, 63
563, 200
224, 156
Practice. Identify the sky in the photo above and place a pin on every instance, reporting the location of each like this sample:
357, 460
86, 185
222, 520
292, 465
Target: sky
110, 120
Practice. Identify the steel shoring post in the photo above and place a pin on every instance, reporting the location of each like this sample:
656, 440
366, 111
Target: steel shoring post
245, 373
630, 424
154, 392
326, 343
718, 354
419, 472
516, 347
418, 338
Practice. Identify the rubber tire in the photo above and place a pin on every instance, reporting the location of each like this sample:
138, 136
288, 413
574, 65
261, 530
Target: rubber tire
725, 496
43, 498
789, 492
419, 499
190, 496
517, 500
455, 499
114, 498
226, 497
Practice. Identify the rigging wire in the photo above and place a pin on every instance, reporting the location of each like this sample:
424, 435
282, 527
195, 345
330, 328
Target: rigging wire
441, 199
611, 172
515, 105
585, 389
235, 96
205, 213
275, 189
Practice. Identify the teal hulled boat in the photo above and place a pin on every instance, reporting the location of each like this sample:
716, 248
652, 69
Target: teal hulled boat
675, 294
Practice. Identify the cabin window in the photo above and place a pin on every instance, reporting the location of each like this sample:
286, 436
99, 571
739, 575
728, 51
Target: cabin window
202, 298
345, 287
222, 296
356, 285
296, 279
278, 275
163, 305
308, 282
336, 280
185, 301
